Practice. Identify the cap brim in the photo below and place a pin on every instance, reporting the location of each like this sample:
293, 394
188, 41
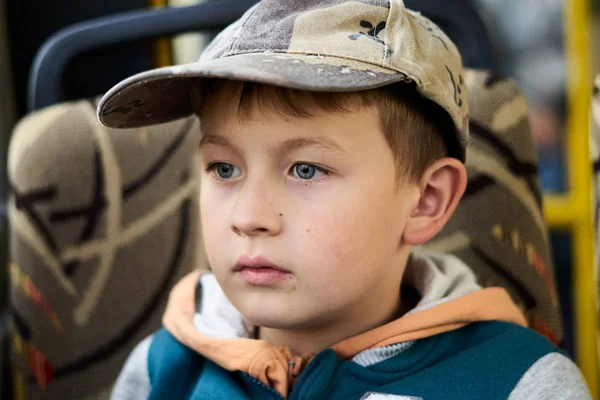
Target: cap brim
163, 94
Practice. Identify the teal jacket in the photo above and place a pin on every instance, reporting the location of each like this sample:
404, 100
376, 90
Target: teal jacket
480, 361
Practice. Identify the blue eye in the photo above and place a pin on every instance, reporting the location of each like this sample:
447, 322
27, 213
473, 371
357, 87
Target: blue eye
225, 170
307, 171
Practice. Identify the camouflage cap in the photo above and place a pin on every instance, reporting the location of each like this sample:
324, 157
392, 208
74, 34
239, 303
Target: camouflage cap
318, 45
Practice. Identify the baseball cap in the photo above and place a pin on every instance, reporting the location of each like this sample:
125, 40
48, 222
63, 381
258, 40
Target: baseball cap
317, 45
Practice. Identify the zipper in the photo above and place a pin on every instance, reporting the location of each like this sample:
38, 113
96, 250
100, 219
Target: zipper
261, 384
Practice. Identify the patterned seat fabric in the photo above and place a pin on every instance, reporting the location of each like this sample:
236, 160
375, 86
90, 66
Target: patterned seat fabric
103, 223
498, 228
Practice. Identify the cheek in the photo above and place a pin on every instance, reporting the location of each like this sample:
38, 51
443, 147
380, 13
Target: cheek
213, 216
349, 242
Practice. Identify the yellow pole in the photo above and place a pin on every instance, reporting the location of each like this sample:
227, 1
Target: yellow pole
580, 178
162, 47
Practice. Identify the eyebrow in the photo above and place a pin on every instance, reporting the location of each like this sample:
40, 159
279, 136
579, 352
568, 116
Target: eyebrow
298, 143
215, 140
286, 146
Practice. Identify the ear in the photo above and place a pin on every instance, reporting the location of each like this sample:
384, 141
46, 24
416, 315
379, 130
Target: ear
441, 188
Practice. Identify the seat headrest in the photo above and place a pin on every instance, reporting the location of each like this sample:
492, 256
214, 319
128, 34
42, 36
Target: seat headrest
498, 227
103, 223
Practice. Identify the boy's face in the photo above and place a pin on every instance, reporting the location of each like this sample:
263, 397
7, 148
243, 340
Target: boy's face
318, 198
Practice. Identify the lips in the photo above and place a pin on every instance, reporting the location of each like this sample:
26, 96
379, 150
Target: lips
258, 271
256, 263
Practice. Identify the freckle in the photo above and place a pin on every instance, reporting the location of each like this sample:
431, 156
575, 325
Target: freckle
308, 231
293, 288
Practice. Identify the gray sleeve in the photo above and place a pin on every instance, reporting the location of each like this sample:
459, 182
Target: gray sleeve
553, 376
133, 382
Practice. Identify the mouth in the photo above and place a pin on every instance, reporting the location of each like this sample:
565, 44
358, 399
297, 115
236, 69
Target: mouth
259, 271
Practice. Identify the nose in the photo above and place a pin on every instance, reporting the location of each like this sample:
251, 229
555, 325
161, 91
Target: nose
254, 213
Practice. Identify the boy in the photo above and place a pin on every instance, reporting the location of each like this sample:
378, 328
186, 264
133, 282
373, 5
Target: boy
334, 136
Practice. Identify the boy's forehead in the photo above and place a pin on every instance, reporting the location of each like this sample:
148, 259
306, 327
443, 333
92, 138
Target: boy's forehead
326, 131
284, 143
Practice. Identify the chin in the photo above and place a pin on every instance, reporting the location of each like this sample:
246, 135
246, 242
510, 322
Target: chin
271, 314
271, 323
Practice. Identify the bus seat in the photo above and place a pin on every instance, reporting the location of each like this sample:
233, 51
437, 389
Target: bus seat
103, 222
498, 228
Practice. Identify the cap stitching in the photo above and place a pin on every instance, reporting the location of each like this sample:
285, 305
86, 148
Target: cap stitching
375, 55
286, 51
387, 34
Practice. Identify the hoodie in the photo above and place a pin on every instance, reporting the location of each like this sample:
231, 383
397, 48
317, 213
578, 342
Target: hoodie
205, 350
